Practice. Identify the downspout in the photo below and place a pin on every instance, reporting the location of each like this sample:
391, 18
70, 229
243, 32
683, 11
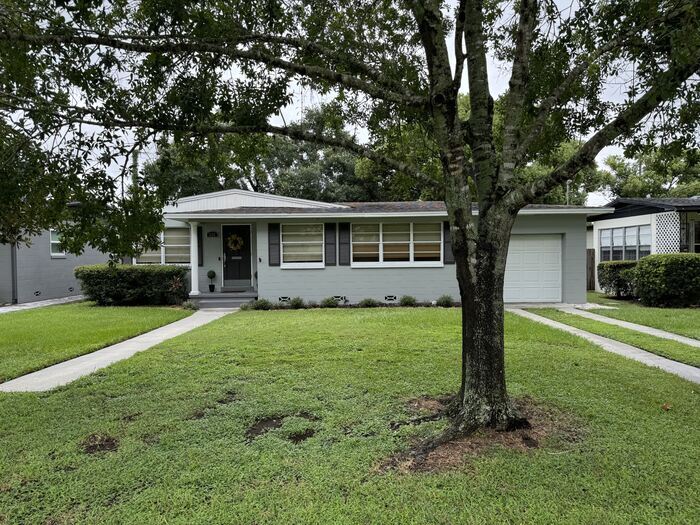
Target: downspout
13, 272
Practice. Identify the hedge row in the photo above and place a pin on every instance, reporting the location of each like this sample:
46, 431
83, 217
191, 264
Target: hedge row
296, 303
127, 285
656, 280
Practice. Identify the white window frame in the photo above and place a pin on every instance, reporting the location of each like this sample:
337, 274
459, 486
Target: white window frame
134, 260
303, 265
162, 244
411, 244
55, 255
624, 245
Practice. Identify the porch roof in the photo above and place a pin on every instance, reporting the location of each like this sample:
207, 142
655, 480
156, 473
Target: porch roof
367, 209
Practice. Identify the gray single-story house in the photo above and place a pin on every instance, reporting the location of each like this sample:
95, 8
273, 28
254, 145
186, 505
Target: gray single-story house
43, 270
276, 248
639, 227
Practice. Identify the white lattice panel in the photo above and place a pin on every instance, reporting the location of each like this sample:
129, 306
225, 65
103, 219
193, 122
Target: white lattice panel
668, 233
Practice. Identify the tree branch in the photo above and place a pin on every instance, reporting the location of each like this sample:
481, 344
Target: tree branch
517, 88
480, 101
302, 44
82, 115
459, 43
584, 62
313, 72
664, 89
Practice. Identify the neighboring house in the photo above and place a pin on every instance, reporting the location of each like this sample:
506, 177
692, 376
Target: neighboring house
40, 271
639, 227
276, 247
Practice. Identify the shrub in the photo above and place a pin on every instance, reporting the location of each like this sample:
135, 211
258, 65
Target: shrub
190, 305
261, 304
369, 303
617, 277
312, 304
671, 279
407, 300
329, 302
211, 275
123, 284
445, 301
296, 303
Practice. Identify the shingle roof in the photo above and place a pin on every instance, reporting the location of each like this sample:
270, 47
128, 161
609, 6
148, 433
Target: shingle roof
358, 208
670, 203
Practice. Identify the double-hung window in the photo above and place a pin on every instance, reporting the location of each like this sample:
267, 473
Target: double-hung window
396, 244
174, 248
302, 245
56, 247
625, 244
605, 245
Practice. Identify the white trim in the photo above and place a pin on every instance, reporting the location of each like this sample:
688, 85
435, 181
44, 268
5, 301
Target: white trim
194, 258
411, 244
55, 255
184, 216
269, 196
223, 251
303, 265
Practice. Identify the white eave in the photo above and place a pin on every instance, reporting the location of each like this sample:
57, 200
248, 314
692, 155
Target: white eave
277, 214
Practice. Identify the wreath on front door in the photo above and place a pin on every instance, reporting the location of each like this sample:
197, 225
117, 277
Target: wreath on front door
234, 242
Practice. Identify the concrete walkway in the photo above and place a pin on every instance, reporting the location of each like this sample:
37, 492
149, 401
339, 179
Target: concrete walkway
39, 304
685, 371
68, 371
632, 326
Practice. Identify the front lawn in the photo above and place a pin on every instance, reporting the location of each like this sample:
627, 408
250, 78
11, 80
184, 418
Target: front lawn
169, 436
34, 339
683, 321
656, 345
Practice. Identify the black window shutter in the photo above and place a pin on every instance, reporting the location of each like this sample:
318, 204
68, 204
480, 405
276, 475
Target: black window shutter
200, 246
330, 243
448, 257
344, 243
273, 243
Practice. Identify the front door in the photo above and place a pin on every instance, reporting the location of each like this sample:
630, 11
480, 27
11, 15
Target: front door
237, 253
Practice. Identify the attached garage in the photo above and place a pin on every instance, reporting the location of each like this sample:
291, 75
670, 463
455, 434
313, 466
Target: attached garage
534, 269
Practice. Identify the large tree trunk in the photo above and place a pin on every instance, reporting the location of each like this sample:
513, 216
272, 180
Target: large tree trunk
483, 398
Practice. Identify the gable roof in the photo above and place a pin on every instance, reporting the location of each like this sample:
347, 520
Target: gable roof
241, 198
630, 207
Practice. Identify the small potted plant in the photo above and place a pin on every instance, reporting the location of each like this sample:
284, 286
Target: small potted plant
211, 274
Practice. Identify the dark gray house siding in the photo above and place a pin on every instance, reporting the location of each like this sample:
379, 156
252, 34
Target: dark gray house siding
40, 275
5, 274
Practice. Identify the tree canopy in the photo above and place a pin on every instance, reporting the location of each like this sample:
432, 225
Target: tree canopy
655, 174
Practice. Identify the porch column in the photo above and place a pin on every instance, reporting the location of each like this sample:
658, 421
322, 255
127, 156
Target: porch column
194, 259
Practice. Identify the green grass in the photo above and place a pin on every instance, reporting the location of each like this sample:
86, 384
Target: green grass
683, 321
34, 339
354, 369
656, 345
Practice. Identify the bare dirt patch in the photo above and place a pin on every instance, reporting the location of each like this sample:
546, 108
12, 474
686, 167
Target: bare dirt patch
430, 404
263, 426
128, 418
95, 443
298, 437
229, 397
545, 423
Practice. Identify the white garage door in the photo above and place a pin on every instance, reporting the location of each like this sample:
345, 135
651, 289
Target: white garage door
533, 271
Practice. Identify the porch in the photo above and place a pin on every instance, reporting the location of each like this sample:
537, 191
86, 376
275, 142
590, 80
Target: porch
226, 264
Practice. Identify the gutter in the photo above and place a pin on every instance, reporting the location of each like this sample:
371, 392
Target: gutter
336, 215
